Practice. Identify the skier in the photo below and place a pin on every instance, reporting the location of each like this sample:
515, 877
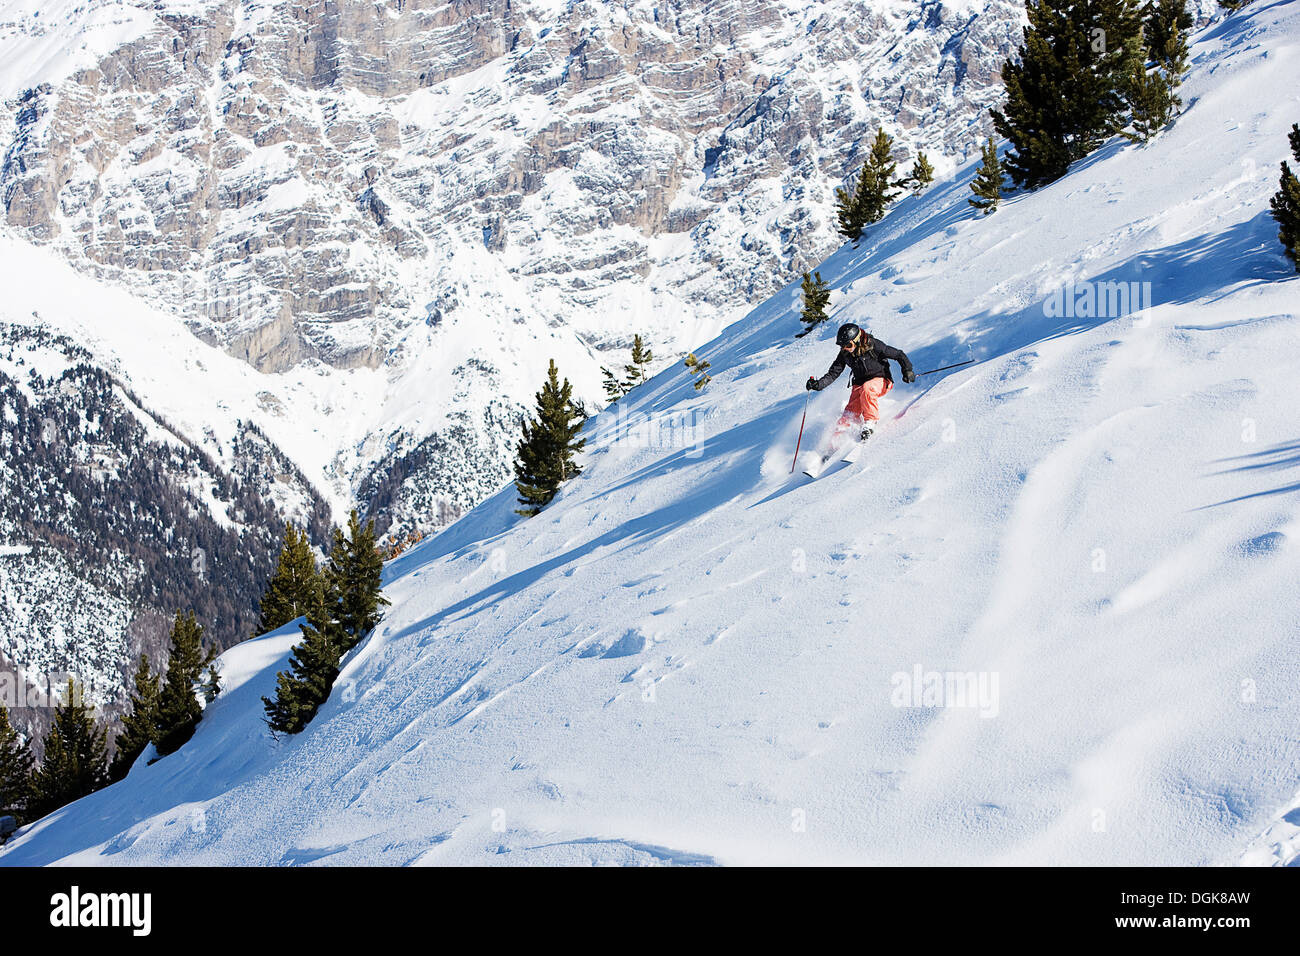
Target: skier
868, 358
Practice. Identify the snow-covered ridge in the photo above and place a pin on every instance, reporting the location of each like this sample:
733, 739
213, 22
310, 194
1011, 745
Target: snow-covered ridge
691, 657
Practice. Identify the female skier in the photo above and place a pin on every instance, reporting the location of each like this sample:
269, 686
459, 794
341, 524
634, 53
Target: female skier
868, 358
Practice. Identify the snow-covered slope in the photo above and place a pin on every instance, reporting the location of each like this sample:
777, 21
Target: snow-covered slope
693, 657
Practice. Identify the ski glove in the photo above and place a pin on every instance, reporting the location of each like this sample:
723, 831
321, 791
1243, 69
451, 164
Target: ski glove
811, 384
909, 376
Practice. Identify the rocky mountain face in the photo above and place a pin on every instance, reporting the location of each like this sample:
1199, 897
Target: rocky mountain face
305, 182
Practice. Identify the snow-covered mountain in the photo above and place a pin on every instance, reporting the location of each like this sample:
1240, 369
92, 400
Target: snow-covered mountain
393, 215
340, 180
452, 194
1047, 617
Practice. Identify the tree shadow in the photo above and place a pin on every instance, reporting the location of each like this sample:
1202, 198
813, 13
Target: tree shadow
1207, 267
740, 448
1280, 457
1239, 24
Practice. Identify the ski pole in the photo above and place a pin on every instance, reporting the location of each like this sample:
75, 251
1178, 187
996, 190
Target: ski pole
800, 441
945, 368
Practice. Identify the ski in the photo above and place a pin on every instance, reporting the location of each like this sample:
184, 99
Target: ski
848, 453
815, 469
819, 464
851, 453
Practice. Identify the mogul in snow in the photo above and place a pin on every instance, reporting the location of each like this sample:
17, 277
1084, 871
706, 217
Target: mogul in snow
868, 357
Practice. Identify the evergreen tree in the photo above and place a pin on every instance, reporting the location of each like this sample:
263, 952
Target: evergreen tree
348, 612
313, 668
1065, 88
641, 359
848, 211
1286, 203
700, 369
211, 684
76, 756
1165, 25
354, 580
1233, 4
178, 710
922, 174
987, 184
295, 586
816, 296
549, 442
140, 726
614, 389
880, 185
15, 770
1152, 103
874, 192
1149, 90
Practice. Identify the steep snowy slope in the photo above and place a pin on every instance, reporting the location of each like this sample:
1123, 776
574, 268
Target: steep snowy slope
691, 657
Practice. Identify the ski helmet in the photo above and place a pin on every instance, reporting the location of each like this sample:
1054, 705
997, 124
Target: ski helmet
847, 335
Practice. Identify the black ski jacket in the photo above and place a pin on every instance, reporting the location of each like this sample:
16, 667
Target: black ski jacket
868, 365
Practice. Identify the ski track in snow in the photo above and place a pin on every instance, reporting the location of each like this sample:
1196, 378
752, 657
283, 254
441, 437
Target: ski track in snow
689, 657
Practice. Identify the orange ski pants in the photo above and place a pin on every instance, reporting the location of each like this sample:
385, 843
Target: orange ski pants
862, 405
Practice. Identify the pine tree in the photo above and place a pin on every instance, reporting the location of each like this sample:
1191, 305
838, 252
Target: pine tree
922, 174
76, 756
614, 389
987, 184
879, 189
1165, 25
352, 580
140, 726
15, 770
354, 575
178, 711
211, 684
641, 359
313, 668
549, 442
1286, 203
1233, 4
848, 211
700, 369
1149, 91
295, 586
1152, 103
816, 296
1065, 88
874, 192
